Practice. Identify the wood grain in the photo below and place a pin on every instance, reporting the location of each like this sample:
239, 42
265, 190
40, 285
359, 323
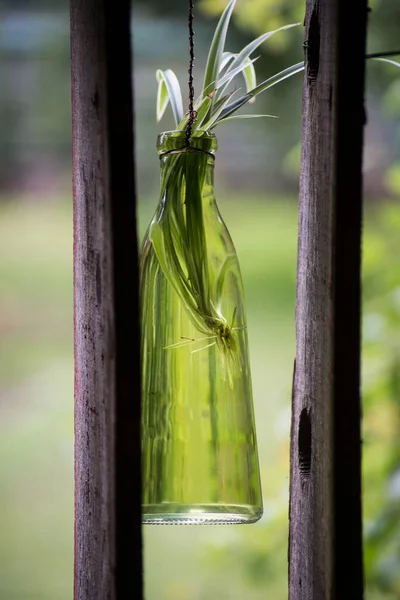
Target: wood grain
108, 563
325, 541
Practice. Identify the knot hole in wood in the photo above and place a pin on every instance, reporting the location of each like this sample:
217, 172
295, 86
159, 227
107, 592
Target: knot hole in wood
305, 445
312, 45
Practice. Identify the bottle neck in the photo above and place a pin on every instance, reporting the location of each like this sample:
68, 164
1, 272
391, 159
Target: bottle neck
187, 177
175, 141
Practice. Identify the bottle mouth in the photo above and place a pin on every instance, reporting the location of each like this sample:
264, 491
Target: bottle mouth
204, 141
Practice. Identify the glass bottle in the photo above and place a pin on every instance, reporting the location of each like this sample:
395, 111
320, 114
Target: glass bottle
199, 450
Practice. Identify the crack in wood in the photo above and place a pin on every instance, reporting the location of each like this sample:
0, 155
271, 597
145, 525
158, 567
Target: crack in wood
305, 445
312, 46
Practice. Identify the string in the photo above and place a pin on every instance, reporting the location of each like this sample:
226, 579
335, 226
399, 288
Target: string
192, 115
185, 149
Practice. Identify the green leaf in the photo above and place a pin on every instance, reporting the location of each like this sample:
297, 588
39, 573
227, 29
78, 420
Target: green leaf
229, 262
271, 81
250, 48
202, 111
174, 92
201, 107
245, 53
162, 97
227, 57
222, 101
388, 60
242, 117
250, 78
227, 78
218, 110
217, 48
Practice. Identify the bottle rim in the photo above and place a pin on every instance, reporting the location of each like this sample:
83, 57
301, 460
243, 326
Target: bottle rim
202, 140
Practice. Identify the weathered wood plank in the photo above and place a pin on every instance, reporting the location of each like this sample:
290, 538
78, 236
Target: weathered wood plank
108, 564
325, 542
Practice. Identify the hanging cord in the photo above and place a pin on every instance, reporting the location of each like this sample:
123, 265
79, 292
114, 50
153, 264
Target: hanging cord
192, 115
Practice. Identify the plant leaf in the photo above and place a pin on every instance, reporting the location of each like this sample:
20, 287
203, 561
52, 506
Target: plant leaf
229, 262
174, 93
250, 78
277, 78
388, 60
227, 57
162, 97
227, 78
223, 99
241, 117
217, 48
250, 48
245, 53
201, 106
202, 111
219, 108
271, 81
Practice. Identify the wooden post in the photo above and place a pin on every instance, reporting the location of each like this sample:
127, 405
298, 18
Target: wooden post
325, 542
108, 564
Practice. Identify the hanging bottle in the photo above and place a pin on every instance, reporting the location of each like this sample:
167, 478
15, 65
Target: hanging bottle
199, 450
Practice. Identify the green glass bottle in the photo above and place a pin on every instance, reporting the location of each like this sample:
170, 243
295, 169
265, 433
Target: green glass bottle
199, 450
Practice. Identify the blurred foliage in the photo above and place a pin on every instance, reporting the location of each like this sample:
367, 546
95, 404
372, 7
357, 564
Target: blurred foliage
260, 559
36, 401
36, 410
381, 376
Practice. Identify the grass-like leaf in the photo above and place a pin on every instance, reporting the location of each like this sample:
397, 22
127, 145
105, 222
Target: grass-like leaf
202, 112
289, 72
217, 49
271, 81
222, 103
252, 47
388, 60
234, 117
179, 240
174, 93
162, 96
250, 78
222, 274
243, 56
227, 78
214, 105
227, 57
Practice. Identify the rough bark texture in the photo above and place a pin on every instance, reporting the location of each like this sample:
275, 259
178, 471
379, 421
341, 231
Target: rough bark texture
107, 390
325, 542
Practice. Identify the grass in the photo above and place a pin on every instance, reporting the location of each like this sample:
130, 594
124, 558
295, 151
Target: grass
36, 396
36, 402
36, 411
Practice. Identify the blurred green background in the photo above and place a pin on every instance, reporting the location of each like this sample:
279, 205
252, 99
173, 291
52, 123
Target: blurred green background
256, 184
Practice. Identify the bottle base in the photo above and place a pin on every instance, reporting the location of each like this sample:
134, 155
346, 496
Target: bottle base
200, 514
